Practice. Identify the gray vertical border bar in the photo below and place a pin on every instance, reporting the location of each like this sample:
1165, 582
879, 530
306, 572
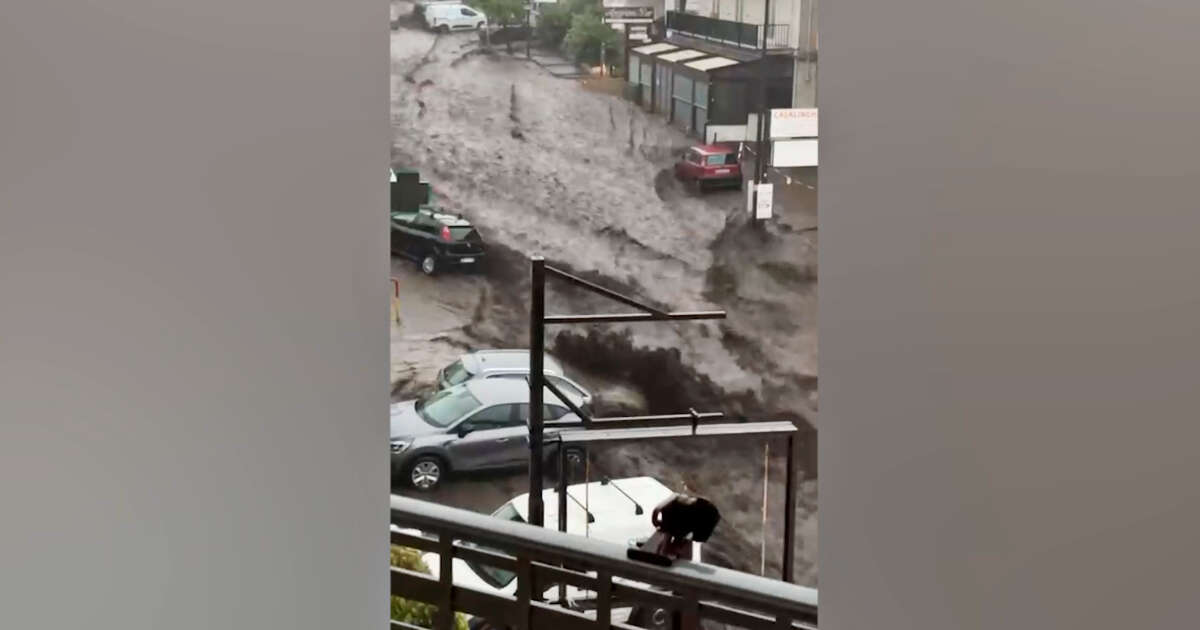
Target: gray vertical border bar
194, 314
1009, 314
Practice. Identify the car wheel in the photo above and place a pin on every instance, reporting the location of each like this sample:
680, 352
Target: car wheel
426, 472
479, 26
429, 264
443, 29
649, 618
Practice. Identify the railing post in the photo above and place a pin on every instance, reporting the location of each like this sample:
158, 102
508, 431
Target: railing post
562, 507
603, 599
525, 593
789, 514
444, 619
537, 348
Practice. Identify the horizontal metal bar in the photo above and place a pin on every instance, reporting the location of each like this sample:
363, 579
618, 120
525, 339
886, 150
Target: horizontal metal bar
643, 421
416, 586
632, 317
746, 619
523, 539
629, 594
549, 616
481, 556
740, 429
608, 293
495, 608
413, 541
551, 575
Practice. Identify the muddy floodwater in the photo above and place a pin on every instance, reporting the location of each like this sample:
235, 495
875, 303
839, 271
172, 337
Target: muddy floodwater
558, 167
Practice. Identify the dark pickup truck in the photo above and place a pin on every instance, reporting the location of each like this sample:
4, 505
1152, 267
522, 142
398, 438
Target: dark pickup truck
438, 242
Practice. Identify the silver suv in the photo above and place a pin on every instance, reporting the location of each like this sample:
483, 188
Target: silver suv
479, 425
509, 364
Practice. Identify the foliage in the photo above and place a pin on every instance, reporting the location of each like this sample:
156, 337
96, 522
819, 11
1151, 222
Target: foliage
502, 12
587, 34
413, 612
554, 23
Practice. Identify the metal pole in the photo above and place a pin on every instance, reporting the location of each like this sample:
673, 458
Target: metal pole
537, 348
789, 513
760, 155
562, 506
529, 24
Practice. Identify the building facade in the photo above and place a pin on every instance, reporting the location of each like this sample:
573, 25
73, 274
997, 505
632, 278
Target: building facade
705, 67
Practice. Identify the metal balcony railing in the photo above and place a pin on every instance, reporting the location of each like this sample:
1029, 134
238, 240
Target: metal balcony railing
542, 559
738, 34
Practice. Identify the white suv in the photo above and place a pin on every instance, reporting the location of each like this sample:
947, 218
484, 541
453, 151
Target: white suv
512, 364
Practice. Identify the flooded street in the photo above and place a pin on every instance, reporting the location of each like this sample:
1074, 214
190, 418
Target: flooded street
546, 165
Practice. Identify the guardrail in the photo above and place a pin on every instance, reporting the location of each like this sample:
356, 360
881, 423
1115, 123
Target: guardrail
542, 559
728, 32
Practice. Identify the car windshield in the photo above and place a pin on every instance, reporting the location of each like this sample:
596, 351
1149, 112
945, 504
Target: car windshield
456, 373
444, 407
715, 160
497, 578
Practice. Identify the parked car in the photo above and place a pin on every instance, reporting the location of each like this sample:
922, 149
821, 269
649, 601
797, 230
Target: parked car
436, 241
617, 511
482, 424
452, 16
509, 364
710, 166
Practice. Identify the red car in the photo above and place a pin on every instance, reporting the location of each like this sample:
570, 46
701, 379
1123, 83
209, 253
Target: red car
710, 165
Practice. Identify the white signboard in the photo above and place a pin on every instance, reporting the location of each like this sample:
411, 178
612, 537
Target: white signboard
766, 198
785, 153
794, 123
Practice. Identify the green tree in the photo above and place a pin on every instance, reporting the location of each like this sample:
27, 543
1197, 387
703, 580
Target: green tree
407, 610
503, 12
588, 33
554, 23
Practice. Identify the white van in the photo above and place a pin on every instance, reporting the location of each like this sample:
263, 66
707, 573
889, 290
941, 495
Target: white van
452, 16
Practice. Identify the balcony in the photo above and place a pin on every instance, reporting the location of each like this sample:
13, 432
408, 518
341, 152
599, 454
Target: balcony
738, 34
681, 597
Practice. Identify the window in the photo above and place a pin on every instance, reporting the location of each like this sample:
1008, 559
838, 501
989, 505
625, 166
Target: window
715, 160
493, 417
463, 234
456, 373
693, 156
634, 73
553, 412
446, 406
565, 387
469, 13
683, 88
